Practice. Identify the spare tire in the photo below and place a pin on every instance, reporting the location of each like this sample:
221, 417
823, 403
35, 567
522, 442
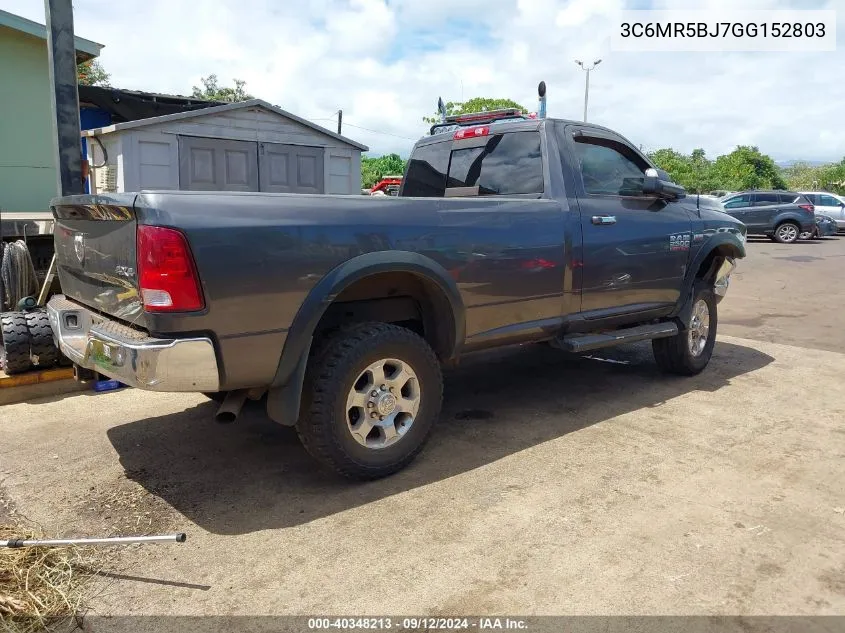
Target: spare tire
42, 349
14, 352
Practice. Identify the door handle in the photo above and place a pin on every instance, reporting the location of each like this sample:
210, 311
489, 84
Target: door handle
601, 220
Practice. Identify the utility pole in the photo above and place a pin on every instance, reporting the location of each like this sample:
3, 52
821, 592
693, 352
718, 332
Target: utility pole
339, 120
64, 97
587, 84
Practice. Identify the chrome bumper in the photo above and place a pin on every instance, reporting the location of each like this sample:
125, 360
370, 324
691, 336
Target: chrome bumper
723, 277
131, 356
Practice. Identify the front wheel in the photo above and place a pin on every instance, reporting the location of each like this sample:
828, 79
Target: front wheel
688, 352
372, 394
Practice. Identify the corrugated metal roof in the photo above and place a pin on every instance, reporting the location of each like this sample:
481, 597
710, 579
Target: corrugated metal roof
252, 103
86, 49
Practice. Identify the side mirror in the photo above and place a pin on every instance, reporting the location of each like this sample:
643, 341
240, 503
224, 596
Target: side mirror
658, 183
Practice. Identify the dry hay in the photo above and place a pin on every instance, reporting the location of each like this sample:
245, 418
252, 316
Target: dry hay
41, 587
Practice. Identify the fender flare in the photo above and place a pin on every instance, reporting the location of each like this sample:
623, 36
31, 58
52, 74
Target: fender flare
718, 240
285, 391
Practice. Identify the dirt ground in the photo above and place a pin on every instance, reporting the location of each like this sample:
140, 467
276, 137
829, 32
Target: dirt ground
553, 484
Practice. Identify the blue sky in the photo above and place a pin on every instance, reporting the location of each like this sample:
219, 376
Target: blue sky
385, 62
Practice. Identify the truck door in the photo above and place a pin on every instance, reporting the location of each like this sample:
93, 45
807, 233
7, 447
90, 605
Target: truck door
635, 247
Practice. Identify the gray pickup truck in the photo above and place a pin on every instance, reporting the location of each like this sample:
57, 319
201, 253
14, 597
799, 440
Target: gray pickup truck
341, 310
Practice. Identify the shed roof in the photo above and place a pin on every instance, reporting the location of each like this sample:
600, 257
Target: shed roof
85, 49
251, 103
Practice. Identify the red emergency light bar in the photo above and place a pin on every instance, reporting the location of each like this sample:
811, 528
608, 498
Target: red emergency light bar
492, 115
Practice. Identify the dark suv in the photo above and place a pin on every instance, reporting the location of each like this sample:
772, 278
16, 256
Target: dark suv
781, 215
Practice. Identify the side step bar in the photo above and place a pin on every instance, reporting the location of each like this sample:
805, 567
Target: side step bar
586, 342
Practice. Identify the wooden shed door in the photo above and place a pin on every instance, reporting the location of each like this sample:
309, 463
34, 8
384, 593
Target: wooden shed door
212, 164
291, 168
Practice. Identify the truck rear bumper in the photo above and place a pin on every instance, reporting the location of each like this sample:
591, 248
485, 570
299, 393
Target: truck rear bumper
131, 356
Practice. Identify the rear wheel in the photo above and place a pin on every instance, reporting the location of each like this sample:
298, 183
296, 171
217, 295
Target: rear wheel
372, 394
14, 352
688, 352
787, 232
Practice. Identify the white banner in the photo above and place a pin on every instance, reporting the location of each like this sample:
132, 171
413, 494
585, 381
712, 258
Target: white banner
721, 30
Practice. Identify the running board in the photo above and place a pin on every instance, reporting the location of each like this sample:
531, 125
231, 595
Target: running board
587, 342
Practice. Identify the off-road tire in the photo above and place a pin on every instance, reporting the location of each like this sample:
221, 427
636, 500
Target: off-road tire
673, 354
335, 363
42, 349
14, 351
780, 239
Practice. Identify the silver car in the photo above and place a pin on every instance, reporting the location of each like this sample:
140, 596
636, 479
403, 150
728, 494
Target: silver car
829, 204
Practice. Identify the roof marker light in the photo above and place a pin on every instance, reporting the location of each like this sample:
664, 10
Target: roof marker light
471, 132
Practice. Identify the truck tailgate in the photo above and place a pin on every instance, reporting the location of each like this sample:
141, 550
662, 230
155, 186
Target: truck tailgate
95, 253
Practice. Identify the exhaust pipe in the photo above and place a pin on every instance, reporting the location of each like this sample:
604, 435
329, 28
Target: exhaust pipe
231, 406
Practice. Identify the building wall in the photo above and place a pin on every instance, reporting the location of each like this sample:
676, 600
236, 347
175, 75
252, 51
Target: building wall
27, 164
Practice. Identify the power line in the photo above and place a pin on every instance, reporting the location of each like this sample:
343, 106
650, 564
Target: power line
407, 138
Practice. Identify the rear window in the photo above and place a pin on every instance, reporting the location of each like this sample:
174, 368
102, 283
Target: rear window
507, 164
790, 198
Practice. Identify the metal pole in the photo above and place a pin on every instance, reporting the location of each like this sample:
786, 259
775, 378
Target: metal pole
116, 540
64, 96
586, 94
339, 120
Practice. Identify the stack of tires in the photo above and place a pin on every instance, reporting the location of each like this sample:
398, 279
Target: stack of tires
27, 342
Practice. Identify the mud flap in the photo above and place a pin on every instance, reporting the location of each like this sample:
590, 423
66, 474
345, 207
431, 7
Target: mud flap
283, 401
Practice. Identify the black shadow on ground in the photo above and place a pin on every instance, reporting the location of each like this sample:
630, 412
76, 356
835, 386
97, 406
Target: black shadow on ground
254, 475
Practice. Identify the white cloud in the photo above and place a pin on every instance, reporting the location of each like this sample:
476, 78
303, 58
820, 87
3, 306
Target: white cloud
385, 62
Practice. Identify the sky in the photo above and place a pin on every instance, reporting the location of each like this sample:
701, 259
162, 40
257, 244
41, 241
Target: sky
385, 63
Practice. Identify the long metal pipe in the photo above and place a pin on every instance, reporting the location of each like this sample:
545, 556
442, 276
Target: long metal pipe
181, 537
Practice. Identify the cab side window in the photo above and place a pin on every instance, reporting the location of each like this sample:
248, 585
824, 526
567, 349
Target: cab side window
609, 168
738, 202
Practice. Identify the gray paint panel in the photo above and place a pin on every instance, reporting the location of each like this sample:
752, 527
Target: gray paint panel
291, 168
210, 164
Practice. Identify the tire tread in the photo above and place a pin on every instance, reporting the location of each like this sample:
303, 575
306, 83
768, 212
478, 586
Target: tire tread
15, 340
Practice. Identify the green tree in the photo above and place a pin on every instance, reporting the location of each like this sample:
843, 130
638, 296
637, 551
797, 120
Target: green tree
693, 172
476, 104
803, 176
374, 169
212, 91
92, 73
747, 168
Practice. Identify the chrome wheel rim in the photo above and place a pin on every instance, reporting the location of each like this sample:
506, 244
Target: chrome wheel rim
699, 328
788, 232
383, 403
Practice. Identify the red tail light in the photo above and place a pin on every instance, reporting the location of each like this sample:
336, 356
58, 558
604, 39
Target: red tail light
809, 208
167, 277
472, 132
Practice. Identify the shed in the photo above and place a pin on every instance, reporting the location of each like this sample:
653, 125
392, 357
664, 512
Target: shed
245, 146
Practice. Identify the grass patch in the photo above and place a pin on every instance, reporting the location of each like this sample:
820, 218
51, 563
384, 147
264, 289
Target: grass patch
42, 587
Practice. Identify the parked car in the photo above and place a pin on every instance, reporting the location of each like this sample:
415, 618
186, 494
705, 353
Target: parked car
342, 309
825, 226
780, 215
829, 204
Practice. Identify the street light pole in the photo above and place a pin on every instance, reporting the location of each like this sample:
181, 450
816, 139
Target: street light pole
587, 83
